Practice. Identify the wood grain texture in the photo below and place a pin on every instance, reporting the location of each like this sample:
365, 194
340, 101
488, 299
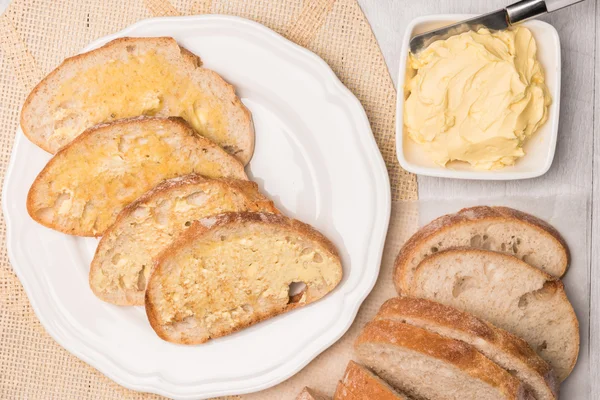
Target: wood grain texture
576, 167
595, 217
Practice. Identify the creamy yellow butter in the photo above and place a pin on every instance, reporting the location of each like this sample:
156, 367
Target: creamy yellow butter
476, 97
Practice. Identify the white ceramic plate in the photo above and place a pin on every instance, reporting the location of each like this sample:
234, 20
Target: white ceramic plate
539, 149
315, 157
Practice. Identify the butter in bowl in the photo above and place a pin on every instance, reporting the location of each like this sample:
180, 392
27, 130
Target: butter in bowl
479, 105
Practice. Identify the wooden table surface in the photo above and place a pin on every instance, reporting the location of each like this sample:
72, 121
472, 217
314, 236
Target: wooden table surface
576, 167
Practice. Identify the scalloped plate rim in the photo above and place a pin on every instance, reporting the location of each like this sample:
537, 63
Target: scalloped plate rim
155, 383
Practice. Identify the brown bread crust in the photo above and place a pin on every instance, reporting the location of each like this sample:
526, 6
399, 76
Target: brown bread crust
342, 393
106, 129
552, 285
464, 217
310, 394
410, 309
44, 88
198, 229
364, 383
458, 354
246, 188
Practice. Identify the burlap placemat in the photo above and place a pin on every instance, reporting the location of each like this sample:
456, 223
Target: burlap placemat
35, 36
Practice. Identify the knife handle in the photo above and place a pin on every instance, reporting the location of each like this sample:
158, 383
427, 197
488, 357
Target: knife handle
526, 9
553, 5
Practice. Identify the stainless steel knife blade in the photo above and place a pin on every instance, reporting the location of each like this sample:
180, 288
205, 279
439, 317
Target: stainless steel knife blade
496, 20
518, 12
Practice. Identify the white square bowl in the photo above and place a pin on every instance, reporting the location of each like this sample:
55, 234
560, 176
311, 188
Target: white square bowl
539, 148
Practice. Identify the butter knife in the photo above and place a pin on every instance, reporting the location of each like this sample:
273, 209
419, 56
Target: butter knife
497, 20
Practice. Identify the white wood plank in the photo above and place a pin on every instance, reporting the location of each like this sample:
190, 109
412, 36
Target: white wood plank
577, 164
571, 170
576, 168
595, 250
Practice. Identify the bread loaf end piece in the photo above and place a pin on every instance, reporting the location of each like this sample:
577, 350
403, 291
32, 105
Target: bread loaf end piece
499, 229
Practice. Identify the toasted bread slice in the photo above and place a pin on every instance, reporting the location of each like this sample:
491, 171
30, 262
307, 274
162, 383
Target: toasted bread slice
509, 293
309, 394
426, 365
124, 259
129, 77
492, 228
200, 288
364, 384
508, 351
86, 184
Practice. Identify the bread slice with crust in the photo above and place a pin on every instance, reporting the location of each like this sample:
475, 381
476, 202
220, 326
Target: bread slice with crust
426, 365
232, 270
508, 351
500, 229
129, 77
87, 183
364, 384
343, 393
124, 258
510, 294
309, 394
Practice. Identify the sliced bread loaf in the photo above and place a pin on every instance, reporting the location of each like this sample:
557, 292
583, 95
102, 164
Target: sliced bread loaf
229, 271
364, 384
309, 394
87, 183
509, 293
129, 77
342, 393
124, 258
506, 350
492, 228
426, 365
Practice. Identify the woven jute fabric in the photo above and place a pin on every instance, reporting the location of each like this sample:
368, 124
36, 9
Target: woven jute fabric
35, 36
